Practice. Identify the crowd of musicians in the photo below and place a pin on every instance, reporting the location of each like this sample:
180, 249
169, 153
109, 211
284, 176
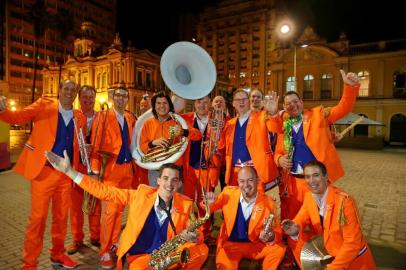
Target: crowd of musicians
262, 147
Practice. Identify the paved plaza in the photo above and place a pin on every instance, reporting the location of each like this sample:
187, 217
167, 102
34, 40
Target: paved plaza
377, 180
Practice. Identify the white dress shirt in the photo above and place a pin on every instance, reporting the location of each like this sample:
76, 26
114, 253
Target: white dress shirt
247, 207
67, 115
120, 119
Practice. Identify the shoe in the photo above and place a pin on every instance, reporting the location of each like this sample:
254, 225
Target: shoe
75, 247
95, 242
106, 262
114, 248
64, 261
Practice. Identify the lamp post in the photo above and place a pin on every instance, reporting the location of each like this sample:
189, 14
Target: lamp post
286, 31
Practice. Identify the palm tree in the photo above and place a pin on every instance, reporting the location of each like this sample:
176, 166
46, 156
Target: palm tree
40, 18
64, 24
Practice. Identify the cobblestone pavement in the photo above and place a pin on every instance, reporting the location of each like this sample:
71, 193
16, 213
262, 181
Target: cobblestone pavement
377, 180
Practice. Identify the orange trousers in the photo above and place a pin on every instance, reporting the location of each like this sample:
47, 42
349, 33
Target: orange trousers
77, 216
198, 255
230, 254
50, 185
291, 192
110, 225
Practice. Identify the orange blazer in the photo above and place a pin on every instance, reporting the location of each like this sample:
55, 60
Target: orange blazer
264, 206
316, 131
140, 202
44, 114
112, 136
257, 144
344, 242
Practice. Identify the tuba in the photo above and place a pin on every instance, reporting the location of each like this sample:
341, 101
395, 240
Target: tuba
189, 72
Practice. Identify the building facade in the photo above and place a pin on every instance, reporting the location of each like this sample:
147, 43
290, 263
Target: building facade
58, 19
242, 38
107, 68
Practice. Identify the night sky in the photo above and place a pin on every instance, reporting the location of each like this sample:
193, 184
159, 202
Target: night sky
149, 27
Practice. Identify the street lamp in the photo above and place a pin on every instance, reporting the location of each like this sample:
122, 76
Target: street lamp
286, 31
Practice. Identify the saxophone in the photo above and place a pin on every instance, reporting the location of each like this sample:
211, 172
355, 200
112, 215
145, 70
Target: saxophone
170, 253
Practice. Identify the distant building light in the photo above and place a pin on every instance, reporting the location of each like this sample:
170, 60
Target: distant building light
13, 108
285, 29
12, 102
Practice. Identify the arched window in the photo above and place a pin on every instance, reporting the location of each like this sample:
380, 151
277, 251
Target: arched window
361, 130
399, 84
364, 82
290, 84
326, 86
308, 85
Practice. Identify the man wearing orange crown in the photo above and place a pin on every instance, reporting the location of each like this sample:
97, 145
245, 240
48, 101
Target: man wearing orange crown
112, 148
54, 130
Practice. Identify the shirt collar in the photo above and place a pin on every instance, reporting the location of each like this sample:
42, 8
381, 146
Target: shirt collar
242, 200
321, 201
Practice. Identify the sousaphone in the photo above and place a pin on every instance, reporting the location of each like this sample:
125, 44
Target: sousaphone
189, 72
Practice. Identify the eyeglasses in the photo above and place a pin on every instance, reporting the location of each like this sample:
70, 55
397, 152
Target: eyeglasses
240, 99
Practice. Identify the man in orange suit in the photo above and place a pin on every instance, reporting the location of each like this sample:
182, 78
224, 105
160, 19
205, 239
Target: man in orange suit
242, 234
198, 171
304, 136
244, 142
156, 130
54, 129
155, 215
332, 214
87, 95
113, 144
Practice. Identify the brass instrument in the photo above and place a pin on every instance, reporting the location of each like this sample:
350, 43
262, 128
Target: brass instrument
314, 255
171, 253
268, 224
190, 73
89, 201
162, 153
82, 147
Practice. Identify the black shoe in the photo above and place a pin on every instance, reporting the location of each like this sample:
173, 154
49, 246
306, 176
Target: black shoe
95, 242
75, 247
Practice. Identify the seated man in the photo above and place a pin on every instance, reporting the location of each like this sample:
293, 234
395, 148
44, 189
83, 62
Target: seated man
242, 234
331, 213
155, 215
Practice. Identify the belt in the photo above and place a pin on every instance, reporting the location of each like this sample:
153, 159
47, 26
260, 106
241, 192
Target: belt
244, 164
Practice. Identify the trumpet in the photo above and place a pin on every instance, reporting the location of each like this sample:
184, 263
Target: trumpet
82, 147
89, 201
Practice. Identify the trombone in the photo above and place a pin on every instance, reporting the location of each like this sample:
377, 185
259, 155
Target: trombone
89, 201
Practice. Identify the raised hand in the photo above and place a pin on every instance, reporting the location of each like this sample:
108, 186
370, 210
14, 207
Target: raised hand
350, 78
285, 162
271, 102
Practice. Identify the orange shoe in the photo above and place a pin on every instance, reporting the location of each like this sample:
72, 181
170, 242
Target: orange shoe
64, 261
106, 261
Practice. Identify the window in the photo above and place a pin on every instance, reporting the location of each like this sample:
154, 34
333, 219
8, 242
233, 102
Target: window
399, 84
326, 85
98, 84
139, 79
364, 82
290, 84
308, 85
148, 80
